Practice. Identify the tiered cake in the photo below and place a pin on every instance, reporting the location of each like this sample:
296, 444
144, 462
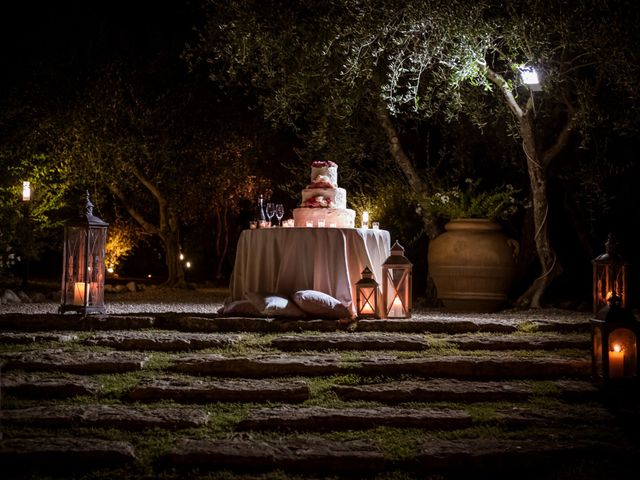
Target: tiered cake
324, 200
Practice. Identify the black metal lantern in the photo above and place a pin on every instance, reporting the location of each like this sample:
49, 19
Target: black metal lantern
396, 284
609, 277
614, 338
367, 295
83, 269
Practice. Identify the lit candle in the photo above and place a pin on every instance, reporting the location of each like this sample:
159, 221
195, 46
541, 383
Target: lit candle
309, 223
78, 293
365, 219
616, 362
321, 222
376, 225
367, 308
332, 225
396, 309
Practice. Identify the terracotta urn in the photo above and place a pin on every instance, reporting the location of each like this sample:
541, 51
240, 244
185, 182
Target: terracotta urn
472, 265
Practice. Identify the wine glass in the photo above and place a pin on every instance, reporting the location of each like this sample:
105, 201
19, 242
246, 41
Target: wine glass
279, 212
270, 211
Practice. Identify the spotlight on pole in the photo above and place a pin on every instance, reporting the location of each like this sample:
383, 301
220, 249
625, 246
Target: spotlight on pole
529, 77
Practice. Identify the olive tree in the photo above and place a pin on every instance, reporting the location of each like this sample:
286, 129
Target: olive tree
395, 61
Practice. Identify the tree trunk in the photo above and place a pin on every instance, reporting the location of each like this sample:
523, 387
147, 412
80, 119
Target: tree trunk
538, 183
171, 242
223, 242
419, 187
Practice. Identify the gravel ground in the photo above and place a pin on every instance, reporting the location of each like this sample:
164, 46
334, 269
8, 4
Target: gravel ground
210, 300
150, 300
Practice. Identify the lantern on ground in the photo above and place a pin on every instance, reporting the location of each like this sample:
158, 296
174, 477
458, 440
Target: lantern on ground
396, 286
83, 268
614, 338
609, 277
367, 295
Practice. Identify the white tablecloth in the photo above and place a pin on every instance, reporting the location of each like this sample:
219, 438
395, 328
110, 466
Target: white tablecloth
329, 260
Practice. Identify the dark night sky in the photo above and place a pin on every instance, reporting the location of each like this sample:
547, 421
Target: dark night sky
44, 40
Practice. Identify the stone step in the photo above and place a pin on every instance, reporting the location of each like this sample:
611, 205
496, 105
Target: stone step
65, 453
451, 390
194, 390
104, 416
318, 418
42, 385
243, 324
80, 362
308, 454
485, 367
44, 322
161, 341
558, 415
23, 338
413, 342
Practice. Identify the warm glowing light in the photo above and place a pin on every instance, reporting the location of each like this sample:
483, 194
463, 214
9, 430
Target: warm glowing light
149, 276
365, 219
26, 191
616, 361
367, 308
188, 264
78, 293
181, 256
110, 270
397, 309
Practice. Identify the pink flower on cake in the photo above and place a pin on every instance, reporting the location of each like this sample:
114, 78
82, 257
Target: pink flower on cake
318, 202
323, 163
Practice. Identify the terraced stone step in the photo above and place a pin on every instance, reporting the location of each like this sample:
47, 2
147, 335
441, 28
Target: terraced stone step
22, 338
308, 454
451, 390
413, 342
43, 322
243, 324
75, 361
42, 385
65, 453
104, 416
194, 390
485, 367
162, 341
318, 418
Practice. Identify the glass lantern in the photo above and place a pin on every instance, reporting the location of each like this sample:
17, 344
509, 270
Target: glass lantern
609, 277
367, 295
614, 338
396, 286
83, 269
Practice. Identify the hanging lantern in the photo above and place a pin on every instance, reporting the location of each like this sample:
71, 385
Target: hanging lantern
367, 295
609, 277
83, 267
614, 338
396, 286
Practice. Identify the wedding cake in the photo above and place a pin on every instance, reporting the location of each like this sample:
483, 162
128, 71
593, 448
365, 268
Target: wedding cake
323, 199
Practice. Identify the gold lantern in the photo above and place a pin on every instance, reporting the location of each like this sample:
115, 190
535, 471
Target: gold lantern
396, 286
609, 277
614, 338
367, 295
83, 269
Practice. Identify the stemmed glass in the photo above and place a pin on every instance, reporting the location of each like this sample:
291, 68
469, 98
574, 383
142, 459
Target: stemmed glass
279, 212
270, 211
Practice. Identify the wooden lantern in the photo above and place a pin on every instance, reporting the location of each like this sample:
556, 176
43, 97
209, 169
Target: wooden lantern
83, 269
396, 286
367, 295
609, 277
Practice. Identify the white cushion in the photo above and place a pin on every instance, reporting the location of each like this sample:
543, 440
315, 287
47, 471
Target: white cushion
319, 304
274, 305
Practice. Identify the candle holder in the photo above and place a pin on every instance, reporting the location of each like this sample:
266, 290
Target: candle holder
614, 338
397, 284
83, 269
367, 295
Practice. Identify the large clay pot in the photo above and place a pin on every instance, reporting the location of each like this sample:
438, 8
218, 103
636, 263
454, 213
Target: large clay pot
472, 265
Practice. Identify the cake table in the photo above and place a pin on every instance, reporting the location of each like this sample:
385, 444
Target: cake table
329, 260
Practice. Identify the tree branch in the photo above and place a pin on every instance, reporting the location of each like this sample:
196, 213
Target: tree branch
137, 216
502, 84
561, 141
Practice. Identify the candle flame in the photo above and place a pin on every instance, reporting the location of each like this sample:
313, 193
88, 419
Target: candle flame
617, 347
